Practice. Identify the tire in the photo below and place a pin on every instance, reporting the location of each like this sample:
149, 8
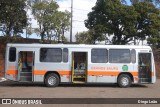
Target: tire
124, 81
51, 80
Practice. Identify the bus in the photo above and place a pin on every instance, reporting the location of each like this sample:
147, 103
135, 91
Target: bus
53, 64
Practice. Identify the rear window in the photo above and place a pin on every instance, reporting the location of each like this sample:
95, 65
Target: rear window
12, 54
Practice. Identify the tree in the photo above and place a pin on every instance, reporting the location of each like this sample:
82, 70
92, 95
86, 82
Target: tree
13, 17
60, 23
156, 2
155, 41
52, 23
90, 36
113, 19
148, 21
43, 11
84, 38
126, 23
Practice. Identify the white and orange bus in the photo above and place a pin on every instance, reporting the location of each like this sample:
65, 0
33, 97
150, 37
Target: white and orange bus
65, 63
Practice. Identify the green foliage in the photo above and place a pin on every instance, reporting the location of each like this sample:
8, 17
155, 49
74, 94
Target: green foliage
64, 39
43, 11
148, 20
154, 41
84, 38
114, 18
60, 23
98, 33
52, 23
155, 2
12, 16
125, 23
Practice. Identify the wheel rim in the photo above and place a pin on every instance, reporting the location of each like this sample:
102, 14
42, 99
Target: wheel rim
124, 81
52, 80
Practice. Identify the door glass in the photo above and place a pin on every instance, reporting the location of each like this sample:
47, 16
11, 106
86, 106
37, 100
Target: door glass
79, 66
145, 68
145, 59
25, 65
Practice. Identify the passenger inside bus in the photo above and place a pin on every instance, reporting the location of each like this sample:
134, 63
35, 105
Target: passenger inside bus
144, 65
79, 61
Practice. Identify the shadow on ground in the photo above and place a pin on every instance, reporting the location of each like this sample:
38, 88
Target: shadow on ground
30, 84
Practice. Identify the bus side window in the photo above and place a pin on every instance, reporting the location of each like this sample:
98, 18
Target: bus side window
50, 55
119, 56
12, 54
99, 55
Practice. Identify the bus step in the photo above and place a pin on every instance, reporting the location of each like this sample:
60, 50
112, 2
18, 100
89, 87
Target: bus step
26, 70
82, 75
26, 74
25, 78
145, 80
79, 77
78, 82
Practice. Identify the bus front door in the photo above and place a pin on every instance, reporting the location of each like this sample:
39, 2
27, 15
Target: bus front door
79, 67
145, 67
25, 65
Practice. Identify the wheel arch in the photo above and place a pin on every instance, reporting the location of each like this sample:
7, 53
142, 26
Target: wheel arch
127, 73
49, 72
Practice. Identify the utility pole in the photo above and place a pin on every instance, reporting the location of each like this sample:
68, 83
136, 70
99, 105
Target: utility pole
71, 21
26, 31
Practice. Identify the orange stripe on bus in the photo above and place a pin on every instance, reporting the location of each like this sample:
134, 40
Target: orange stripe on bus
90, 73
39, 72
134, 73
64, 72
43, 72
15, 72
109, 73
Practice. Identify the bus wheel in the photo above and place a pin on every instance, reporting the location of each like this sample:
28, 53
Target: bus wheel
52, 80
124, 81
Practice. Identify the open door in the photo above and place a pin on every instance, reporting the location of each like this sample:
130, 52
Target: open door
145, 67
79, 67
25, 65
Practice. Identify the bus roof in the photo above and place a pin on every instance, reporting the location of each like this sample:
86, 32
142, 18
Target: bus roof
33, 45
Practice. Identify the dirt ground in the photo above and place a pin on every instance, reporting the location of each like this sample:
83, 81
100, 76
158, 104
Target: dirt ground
9, 89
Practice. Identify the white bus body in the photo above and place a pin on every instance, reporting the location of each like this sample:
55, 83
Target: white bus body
66, 63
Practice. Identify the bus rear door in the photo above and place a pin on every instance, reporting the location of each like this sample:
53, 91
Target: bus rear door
145, 67
79, 67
